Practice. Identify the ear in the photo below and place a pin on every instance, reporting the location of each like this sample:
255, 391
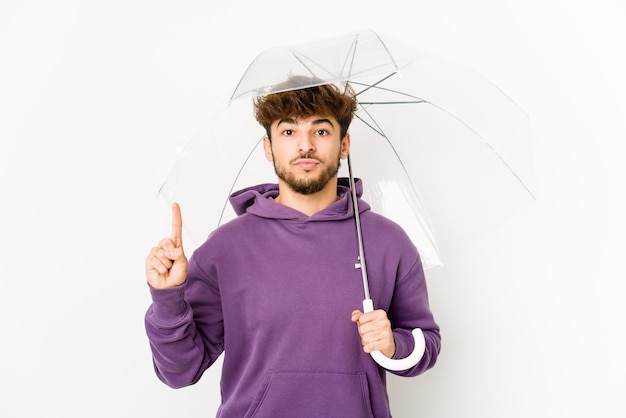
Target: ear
267, 147
345, 146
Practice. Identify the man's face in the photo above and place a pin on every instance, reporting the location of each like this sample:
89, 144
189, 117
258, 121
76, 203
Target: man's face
306, 152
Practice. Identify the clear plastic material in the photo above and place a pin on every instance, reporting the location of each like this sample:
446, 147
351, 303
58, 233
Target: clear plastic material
441, 150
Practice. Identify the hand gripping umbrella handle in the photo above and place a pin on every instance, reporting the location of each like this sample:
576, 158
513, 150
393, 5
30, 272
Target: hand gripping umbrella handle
398, 364
368, 305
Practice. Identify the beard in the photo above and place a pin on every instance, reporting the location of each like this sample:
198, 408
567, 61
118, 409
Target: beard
307, 186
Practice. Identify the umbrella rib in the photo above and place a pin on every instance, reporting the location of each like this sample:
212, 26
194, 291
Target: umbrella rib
375, 128
297, 55
488, 145
387, 50
302, 60
520, 181
374, 85
352, 54
349, 62
382, 133
232, 187
379, 130
300, 57
377, 87
394, 102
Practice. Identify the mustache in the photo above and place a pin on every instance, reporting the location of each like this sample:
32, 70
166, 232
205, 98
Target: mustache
309, 155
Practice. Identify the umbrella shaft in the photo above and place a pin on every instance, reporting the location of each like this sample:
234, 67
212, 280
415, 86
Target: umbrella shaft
357, 219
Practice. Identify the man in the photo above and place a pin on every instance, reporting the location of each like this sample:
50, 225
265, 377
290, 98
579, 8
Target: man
277, 290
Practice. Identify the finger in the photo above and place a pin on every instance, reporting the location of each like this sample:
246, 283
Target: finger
160, 254
174, 254
158, 265
177, 225
167, 251
366, 318
373, 316
372, 328
164, 257
355, 316
165, 244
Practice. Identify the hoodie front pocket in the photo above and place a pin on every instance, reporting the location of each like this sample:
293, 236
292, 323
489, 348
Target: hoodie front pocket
312, 394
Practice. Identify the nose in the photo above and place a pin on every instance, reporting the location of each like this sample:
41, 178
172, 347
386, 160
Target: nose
306, 143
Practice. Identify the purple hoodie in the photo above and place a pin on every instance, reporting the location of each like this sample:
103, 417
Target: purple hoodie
273, 290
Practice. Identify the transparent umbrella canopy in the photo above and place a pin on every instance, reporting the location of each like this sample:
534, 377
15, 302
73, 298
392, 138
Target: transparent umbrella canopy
440, 149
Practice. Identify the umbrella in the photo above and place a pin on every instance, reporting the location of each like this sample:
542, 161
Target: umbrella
441, 150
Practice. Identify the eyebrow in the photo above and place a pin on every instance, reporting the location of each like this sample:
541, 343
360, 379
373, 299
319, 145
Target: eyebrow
315, 122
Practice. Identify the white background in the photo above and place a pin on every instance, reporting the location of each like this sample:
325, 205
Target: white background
95, 97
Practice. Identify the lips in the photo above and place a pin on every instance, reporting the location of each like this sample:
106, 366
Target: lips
307, 163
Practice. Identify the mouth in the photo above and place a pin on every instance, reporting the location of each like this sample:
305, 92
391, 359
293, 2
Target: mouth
306, 163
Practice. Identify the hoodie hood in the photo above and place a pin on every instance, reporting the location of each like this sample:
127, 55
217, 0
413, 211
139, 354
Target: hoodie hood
259, 200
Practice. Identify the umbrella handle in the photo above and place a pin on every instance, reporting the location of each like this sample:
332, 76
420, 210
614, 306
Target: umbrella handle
398, 364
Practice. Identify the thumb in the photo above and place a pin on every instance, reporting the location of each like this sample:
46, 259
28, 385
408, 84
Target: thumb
177, 226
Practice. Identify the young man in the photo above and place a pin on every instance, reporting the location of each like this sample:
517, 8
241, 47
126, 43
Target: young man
276, 289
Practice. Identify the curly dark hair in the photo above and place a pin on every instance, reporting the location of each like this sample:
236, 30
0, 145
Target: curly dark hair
319, 99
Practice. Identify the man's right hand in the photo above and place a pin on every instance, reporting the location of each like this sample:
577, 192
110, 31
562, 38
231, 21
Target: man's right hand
166, 264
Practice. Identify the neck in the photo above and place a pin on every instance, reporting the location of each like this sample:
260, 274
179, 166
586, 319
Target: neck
308, 204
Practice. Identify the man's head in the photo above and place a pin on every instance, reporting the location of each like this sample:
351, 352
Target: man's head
307, 133
318, 100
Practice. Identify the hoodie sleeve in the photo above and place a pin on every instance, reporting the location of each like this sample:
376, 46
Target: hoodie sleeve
185, 331
410, 309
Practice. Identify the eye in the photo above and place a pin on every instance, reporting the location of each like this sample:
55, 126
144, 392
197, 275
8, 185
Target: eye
288, 132
322, 132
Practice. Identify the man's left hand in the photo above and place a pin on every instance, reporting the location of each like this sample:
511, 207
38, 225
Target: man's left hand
375, 331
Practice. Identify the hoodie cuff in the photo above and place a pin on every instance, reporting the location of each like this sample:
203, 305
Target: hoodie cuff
404, 344
168, 305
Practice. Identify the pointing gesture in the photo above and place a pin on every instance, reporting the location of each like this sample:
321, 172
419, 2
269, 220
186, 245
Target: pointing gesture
166, 264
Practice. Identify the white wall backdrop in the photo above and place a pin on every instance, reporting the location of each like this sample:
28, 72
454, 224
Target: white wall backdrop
95, 97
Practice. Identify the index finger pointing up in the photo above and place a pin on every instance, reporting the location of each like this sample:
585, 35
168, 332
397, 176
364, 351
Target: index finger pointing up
177, 225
